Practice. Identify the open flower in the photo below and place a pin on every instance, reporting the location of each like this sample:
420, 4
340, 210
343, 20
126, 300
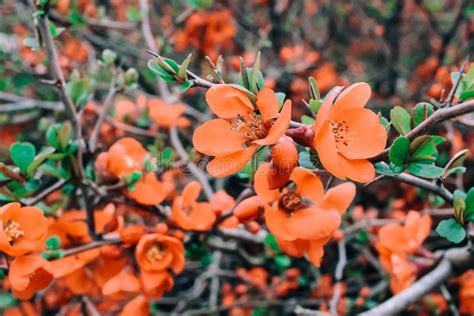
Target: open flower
396, 243
121, 284
148, 190
155, 284
167, 115
125, 157
300, 215
347, 134
29, 274
234, 137
156, 252
22, 229
189, 214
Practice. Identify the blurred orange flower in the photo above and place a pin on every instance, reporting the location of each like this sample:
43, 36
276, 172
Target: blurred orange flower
167, 115
121, 284
138, 306
29, 274
148, 190
155, 284
22, 229
156, 252
234, 137
396, 242
189, 214
346, 134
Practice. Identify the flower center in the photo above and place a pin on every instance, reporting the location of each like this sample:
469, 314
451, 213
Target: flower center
13, 230
341, 133
251, 127
290, 201
155, 252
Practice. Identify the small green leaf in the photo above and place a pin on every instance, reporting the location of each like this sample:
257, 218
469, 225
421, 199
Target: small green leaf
244, 74
384, 169
133, 13
53, 243
420, 112
451, 230
400, 120
315, 105
184, 67
281, 99
255, 74
185, 85
425, 170
22, 155
313, 89
271, 242
305, 119
399, 151
283, 261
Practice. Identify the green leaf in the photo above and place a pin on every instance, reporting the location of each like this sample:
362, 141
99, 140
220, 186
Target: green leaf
466, 95
451, 230
254, 81
425, 170
133, 13
305, 160
244, 74
7, 300
313, 89
283, 261
22, 155
184, 67
400, 120
399, 151
79, 91
53, 242
315, 105
420, 112
185, 85
425, 145
281, 99
384, 169
271, 242
305, 119
39, 160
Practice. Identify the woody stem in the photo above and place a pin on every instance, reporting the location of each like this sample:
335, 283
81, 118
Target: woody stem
57, 75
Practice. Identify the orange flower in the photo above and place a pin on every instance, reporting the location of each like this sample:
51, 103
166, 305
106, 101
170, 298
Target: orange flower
346, 134
303, 219
466, 292
248, 209
157, 252
234, 137
190, 214
396, 242
138, 306
148, 190
155, 284
125, 157
28, 274
22, 229
167, 115
120, 285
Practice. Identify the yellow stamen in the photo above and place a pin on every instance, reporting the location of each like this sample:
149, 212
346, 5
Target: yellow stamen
251, 127
13, 230
155, 252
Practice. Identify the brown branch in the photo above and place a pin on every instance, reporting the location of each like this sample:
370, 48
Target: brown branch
437, 117
89, 246
109, 99
426, 185
454, 262
58, 76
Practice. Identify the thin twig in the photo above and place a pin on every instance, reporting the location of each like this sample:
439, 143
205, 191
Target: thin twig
341, 263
